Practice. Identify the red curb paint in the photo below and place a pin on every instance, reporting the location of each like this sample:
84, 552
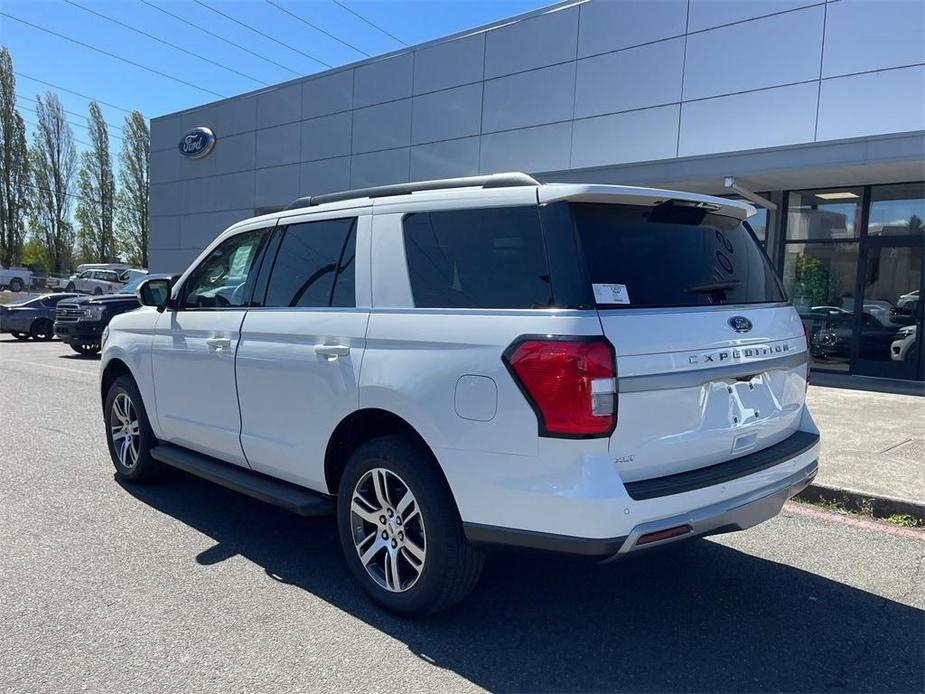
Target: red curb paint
862, 523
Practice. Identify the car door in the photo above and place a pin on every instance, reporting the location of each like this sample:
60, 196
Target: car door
194, 347
298, 363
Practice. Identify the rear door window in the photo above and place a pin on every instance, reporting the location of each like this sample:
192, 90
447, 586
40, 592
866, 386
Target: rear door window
477, 258
315, 266
671, 255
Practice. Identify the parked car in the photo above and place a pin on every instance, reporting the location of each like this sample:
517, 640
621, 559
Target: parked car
96, 282
80, 321
33, 318
903, 347
15, 278
457, 364
118, 267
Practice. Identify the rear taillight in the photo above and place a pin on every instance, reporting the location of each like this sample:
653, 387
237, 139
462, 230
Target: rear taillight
570, 382
809, 342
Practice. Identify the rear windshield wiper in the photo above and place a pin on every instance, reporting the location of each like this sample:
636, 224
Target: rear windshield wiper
711, 287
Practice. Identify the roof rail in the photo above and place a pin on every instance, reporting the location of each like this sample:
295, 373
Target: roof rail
497, 180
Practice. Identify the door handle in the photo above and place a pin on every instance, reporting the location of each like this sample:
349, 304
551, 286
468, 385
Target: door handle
218, 344
332, 352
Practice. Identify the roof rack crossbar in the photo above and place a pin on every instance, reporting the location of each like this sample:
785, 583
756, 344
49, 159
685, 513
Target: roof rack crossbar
497, 180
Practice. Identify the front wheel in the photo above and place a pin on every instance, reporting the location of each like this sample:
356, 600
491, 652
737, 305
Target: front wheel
19, 335
16, 285
87, 349
42, 329
97, 291
128, 432
69, 287
400, 530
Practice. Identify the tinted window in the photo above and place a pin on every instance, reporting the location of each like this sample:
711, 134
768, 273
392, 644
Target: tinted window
52, 301
315, 265
485, 258
671, 255
221, 279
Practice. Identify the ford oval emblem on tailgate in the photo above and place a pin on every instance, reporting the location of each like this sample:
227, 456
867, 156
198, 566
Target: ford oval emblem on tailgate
197, 143
740, 324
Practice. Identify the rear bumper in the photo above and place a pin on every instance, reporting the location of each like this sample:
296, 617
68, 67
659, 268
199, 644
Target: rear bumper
729, 515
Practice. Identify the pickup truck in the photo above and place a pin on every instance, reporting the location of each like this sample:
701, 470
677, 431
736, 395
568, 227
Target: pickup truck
15, 278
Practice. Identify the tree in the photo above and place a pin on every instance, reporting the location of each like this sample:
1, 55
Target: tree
14, 168
132, 201
54, 161
96, 189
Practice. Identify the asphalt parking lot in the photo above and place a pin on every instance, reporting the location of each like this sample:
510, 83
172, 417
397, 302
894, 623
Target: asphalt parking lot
187, 587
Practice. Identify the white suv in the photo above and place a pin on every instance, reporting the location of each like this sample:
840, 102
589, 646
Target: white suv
451, 365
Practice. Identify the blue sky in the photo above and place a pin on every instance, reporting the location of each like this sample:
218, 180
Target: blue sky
66, 64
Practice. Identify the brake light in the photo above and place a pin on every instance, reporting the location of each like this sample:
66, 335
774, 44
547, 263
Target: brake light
569, 382
809, 342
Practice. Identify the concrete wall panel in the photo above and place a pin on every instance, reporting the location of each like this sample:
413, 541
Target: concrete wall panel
634, 136
449, 64
872, 104
610, 26
635, 78
530, 98
445, 159
777, 50
536, 42
447, 114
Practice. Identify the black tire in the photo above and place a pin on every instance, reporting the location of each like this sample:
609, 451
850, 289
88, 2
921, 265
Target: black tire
16, 285
86, 349
97, 291
144, 468
69, 287
20, 336
42, 330
451, 567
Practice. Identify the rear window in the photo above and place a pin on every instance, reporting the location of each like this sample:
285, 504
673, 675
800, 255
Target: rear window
478, 258
671, 255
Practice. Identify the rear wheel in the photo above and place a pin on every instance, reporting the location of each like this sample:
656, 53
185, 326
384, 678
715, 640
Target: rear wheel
87, 349
20, 336
16, 285
128, 432
97, 291
400, 530
42, 329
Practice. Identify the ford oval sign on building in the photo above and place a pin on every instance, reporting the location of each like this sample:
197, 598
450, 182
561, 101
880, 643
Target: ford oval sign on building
197, 143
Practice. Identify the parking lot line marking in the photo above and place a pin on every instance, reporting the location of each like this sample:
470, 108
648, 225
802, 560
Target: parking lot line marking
48, 366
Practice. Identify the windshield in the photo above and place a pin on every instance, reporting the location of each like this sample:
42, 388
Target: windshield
132, 286
671, 255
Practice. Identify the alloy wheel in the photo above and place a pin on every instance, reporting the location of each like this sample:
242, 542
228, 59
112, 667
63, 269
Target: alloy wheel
388, 530
125, 430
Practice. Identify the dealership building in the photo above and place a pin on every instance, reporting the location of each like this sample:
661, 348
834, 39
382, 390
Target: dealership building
814, 111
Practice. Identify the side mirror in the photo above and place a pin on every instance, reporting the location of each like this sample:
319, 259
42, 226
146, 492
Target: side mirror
154, 292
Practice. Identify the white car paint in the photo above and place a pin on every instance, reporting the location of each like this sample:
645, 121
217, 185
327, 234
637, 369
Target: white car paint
271, 397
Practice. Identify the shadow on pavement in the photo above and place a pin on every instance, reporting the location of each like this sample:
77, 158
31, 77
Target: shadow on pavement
699, 617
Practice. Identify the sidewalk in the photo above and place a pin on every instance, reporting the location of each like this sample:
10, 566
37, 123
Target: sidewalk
873, 444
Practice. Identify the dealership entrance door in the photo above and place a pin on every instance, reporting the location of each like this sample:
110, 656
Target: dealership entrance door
853, 267
889, 322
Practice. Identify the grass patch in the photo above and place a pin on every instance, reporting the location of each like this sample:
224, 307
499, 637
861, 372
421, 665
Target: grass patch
905, 520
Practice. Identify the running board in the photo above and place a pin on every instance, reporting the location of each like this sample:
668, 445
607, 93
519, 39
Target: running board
291, 497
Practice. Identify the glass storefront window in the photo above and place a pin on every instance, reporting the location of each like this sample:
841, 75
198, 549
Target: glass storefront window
897, 210
817, 215
892, 310
820, 280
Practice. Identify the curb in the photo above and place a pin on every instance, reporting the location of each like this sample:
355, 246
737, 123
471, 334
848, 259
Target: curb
861, 502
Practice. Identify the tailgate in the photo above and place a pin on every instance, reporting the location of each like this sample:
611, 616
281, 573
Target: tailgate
693, 392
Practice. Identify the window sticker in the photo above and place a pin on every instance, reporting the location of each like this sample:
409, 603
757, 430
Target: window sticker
610, 293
